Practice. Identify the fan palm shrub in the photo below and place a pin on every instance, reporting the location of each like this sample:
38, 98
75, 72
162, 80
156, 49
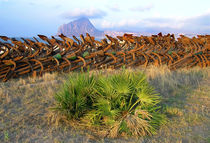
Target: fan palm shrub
123, 104
127, 104
76, 96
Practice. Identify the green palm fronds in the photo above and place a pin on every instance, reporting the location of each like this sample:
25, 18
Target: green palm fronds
123, 103
76, 96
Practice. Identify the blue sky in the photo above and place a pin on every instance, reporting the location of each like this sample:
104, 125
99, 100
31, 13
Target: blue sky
32, 17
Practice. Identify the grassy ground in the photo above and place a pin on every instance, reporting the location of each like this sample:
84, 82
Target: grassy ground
25, 103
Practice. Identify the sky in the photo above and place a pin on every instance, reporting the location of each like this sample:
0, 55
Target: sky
31, 17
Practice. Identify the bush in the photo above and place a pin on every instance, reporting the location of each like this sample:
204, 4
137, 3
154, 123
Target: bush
124, 104
76, 96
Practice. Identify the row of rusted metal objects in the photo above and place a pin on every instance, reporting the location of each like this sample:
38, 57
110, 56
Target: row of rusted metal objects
33, 57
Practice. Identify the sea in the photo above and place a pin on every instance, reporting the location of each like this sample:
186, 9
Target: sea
96, 38
40, 40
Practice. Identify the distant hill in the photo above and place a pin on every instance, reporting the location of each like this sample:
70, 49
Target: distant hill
79, 26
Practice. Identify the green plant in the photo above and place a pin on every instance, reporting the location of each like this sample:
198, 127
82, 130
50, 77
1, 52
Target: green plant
122, 104
127, 104
76, 96
6, 135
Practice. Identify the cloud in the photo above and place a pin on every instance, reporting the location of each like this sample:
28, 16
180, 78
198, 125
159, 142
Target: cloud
142, 8
162, 22
196, 24
107, 24
89, 13
115, 8
201, 20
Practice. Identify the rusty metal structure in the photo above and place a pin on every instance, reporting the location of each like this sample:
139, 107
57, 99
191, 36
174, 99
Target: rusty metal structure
32, 57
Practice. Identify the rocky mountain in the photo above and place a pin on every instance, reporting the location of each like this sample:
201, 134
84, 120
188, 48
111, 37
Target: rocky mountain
79, 26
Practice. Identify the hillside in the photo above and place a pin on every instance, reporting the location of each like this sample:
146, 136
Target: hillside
79, 26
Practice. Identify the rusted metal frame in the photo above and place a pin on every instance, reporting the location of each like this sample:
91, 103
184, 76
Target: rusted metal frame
207, 61
10, 48
193, 63
155, 62
65, 63
113, 40
159, 62
131, 56
20, 66
121, 60
108, 47
8, 75
136, 49
195, 42
123, 56
2, 77
180, 62
80, 49
5, 70
98, 59
39, 65
75, 38
48, 49
203, 63
34, 54
73, 67
175, 54
6, 52
84, 42
19, 46
49, 64
10, 72
113, 57
198, 60
145, 57
68, 47
186, 64
10, 62
171, 59
62, 48
83, 60
45, 38
90, 39
147, 49
29, 48
166, 50
98, 43
165, 59
33, 45
104, 62
57, 63
151, 41
157, 48
25, 69
5, 38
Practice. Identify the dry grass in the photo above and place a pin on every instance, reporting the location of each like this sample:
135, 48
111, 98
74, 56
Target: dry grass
24, 108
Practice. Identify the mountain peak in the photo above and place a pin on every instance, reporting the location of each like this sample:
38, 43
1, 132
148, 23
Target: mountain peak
81, 19
79, 26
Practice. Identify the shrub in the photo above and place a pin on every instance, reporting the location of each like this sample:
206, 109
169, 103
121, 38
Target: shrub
76, 96
123, 104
